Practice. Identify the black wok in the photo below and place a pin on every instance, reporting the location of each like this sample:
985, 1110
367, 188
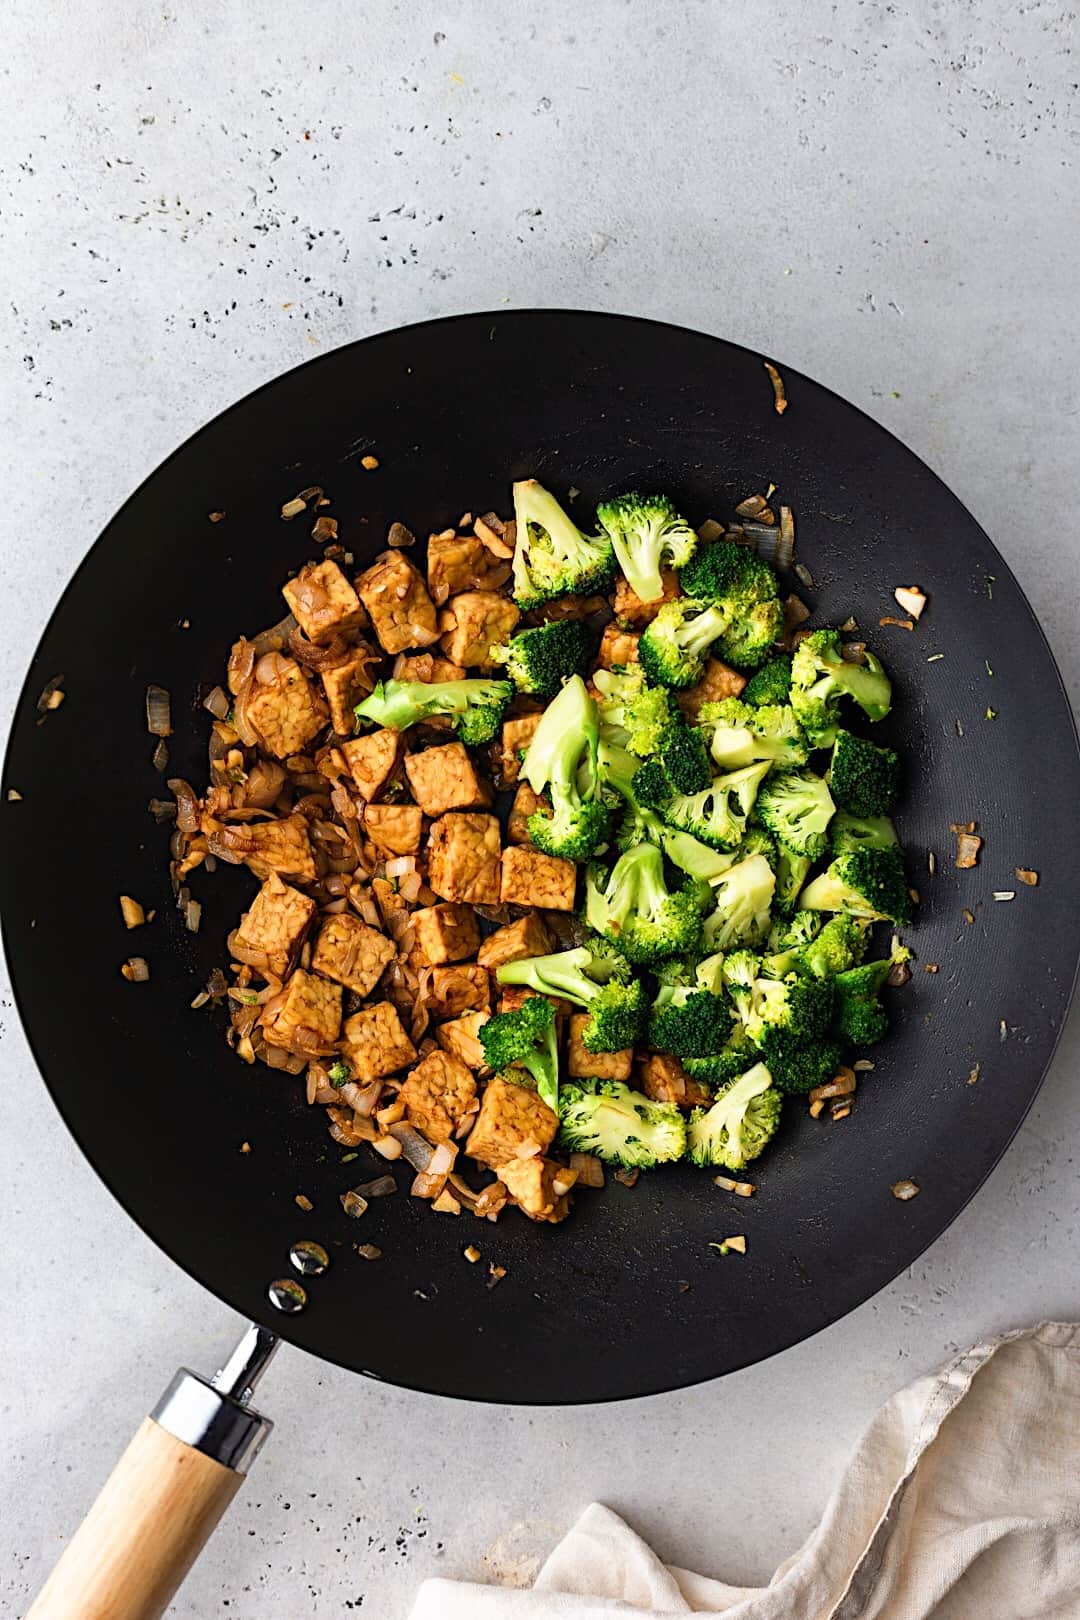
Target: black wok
626, 1297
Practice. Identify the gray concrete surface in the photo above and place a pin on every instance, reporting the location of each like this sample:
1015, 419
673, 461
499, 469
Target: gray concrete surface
196, 197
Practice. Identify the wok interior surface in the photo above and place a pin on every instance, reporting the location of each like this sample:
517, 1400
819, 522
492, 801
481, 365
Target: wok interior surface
626, 1297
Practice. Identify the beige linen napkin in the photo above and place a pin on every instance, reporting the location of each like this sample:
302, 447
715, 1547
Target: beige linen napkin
961, 1501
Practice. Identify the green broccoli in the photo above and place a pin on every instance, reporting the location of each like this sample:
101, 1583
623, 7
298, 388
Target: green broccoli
689, 1021
743, 588
634, 909
820, 677
476, 706
742, 735
621, 1126
551, 555
595, 978
792, 933
717, 816
639, 824
860, 1017
771, 684
685, 757
864, 779
539, 660
632, 714
848, 833
791, 873
840, 945
723, 1067
803, 1009
674, 647
742, 897
868, 883
756, 841
740, 1123
652, 786
647, 534
796, 1067
526, 1037
796, 807
561, 756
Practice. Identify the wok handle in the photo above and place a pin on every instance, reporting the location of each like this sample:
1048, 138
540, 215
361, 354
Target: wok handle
155, 1513
165, 1496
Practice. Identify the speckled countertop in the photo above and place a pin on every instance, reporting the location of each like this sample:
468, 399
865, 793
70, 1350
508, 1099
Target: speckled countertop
194, 199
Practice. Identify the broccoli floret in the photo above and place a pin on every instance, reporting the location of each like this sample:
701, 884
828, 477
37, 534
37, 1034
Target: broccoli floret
743, 588
839, 946
742, 897
634, 909
541, 659
797, 807
618, 772
688, 1021
526, 1037
792, 933
868, 883
652, 786
795, 1067
674, 647
771, 685
791, 873
820, 677
647, 534
739, 1124
632, 714
742, 735
593, 977
717, 816
685, 757
723, 1067
621, 1126
802, 1008
847, 833
864, 779
860, 1017
551, 555
476, 707
756, 841
561, 756
860, 1020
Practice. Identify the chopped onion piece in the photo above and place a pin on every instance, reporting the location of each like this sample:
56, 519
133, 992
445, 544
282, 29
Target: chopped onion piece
472, 1254
842, 1086
905, 1190
1026, 875
158, 712
446, 1203
217, 702
387, 1146
133, 913
1004, 894
369, 1251
353, 1204
744, 1189
780, 399
968, 845
589, 1168
381, 1187
911, 599
193, 915
136, 969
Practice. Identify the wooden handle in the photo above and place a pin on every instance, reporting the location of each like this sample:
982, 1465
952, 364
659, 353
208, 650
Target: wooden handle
155, 1513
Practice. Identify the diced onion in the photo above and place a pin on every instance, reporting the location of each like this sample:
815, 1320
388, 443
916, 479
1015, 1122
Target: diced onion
158, 712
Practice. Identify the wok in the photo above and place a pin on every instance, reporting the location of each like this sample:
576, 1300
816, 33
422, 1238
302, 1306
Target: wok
626, 1297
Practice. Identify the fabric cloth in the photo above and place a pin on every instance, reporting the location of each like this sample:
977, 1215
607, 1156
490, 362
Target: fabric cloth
961, 1501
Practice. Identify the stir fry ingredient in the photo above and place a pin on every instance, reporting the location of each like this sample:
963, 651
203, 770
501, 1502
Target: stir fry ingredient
566, 856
